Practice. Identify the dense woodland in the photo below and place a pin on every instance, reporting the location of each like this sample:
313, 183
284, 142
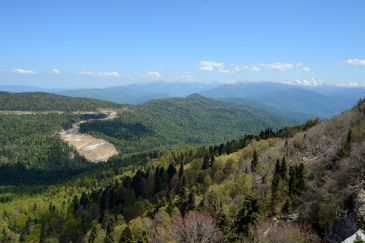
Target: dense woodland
39, 101
195, 120
228, 192
31, 152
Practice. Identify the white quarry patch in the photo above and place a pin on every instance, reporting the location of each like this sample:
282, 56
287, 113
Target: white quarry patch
88, 146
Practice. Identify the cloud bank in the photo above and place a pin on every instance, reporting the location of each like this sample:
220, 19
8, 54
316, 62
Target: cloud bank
104, 74
23, 71
356, 63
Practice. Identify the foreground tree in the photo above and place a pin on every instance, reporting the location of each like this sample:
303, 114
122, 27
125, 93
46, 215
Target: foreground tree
194, 227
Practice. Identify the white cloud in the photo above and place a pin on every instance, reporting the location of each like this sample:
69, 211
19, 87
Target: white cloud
211, 66
23, 71
356, 63
277, 66
104, 74
152, 74
56, 71
160, 69
302, 68
254, 68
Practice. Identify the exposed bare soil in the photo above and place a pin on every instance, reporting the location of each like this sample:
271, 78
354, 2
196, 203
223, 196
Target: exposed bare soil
93, 149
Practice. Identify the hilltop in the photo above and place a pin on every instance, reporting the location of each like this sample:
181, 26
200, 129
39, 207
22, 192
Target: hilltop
183, 121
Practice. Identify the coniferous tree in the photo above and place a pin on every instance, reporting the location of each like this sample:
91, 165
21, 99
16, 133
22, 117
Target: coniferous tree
255, 161
181, 170
277, 168
171, 171
126, 236
346, 145
300, 177
191, 202
292, 181
205, 162
287, 207
212, 159
27, 227
283, 169
247, 215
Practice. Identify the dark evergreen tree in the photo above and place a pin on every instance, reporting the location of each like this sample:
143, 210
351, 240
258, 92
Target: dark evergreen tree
283, 169
254, 161
191, 202
212, 159
300, 173
292, 181
277, 168
27, 227
171, 171
205, 162
247, 215
287, 207
126, 236
346, 145
181, 170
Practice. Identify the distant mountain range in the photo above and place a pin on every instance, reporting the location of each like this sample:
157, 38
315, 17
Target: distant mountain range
118, 94
301, 99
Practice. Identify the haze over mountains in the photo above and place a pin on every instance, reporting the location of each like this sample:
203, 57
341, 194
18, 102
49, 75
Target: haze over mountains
295, 98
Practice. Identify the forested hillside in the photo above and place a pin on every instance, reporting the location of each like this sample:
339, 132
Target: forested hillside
288, 185
31, 152
183, 122
38, 101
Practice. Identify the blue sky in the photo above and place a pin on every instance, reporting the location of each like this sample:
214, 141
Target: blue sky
107, 43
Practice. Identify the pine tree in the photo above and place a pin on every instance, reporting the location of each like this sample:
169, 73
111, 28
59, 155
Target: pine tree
293, 181
300, 177
255, 161
346, 145
182, 201
205, 162
212, 159
27, 227
191, 202
287, 207
126, 235
247, 215
283, 169
181, 170
171, 171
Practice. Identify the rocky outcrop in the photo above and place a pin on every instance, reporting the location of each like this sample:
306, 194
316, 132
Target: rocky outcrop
358, 202
341, 230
